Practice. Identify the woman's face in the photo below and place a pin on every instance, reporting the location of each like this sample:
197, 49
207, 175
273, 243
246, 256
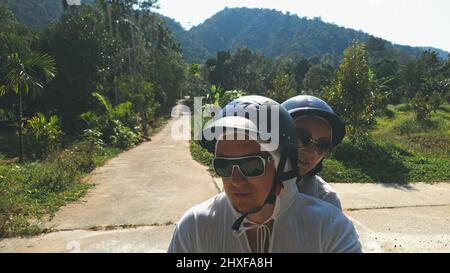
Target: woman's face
319, 130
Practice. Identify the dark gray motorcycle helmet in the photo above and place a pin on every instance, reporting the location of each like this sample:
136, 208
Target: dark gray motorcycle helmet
309, 105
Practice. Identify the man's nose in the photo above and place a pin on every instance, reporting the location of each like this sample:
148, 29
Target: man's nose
237, 175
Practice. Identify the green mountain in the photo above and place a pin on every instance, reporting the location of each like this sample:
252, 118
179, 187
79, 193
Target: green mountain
268, 32
193, 48
37, 13
273, 33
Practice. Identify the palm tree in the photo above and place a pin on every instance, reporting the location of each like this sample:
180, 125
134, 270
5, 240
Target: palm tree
26, 69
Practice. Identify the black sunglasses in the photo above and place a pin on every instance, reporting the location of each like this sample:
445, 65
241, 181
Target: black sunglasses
305, 139
250, 166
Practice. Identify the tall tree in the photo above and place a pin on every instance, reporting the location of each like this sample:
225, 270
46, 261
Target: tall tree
218, 69
317, 78
85, 55
425, 84
282, 88
352, 93
26, 69
299, 71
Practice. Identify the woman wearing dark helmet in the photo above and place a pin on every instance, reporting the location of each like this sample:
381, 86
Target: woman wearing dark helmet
319, 130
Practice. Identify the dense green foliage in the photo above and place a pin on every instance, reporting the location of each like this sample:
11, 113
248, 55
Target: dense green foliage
353, 92
116, 126
38, 13
73, 94
26, 70
123, 53
41, 135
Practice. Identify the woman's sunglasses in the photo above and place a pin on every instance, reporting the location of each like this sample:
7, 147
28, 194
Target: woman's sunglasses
319, 146
250, 166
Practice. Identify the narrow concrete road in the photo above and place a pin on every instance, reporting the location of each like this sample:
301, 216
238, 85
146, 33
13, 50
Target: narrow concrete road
392, 218
138, 198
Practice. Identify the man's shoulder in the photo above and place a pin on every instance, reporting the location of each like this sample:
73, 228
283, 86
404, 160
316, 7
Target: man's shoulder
200, 221
314, 209
208, 209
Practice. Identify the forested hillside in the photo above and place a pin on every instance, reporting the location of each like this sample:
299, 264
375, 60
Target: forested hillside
273, 33
269, 32
37, 13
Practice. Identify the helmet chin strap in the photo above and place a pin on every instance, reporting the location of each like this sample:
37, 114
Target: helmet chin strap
272, 196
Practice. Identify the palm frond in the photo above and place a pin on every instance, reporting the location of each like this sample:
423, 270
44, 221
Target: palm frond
2, 90
42, 62
103, 101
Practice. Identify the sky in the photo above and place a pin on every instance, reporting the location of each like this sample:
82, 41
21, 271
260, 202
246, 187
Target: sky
404, 22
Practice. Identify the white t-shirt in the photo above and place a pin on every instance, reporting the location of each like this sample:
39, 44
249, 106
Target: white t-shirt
315, 186
301, 224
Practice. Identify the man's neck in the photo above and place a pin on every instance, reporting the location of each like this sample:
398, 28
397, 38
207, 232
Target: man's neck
263, 215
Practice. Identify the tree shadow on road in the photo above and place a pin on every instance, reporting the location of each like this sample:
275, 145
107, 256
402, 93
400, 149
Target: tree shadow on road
382, 162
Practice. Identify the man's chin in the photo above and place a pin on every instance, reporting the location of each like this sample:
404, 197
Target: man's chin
243, 208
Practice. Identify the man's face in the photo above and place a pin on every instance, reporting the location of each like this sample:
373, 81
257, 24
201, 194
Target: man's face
246, 193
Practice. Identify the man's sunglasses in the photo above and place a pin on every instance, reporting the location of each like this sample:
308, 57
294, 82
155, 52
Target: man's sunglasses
319, 146
250, 166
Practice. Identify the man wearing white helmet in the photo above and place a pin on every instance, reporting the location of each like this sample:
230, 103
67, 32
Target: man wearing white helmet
261, 209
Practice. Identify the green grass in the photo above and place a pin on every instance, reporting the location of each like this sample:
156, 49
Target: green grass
201, 155
198, 153
334, 170
402, 150
430, 137
33, 190
383, 162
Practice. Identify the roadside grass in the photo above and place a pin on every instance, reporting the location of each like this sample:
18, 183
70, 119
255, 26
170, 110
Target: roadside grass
430, 137
402, 150
200, 154
383, 162
32, 192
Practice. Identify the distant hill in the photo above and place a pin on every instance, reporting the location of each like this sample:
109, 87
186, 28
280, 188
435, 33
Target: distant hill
193, 47
268, 32
442, 53
37, 13
273, 33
